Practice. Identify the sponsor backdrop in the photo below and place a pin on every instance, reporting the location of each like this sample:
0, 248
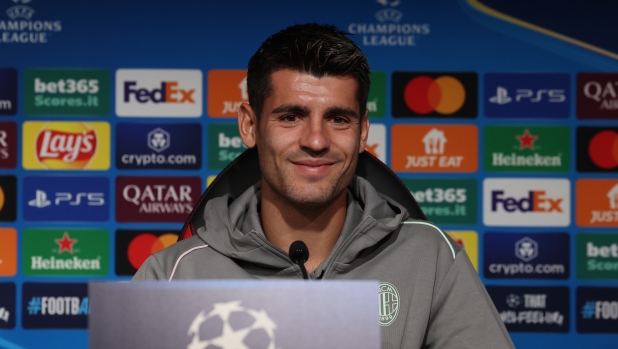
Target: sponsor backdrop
502, 120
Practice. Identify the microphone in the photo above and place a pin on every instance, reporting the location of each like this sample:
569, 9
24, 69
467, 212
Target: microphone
299, 254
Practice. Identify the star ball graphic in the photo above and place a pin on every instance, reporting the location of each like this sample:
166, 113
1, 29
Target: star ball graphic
233, 336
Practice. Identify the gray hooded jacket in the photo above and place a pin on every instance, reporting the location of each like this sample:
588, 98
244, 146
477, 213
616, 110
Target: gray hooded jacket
442, 302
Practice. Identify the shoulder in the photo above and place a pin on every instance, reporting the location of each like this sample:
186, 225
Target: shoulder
427, 244
429, 235
167, 260
180, 248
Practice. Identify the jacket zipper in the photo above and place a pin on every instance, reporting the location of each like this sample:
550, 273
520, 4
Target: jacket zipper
355, 234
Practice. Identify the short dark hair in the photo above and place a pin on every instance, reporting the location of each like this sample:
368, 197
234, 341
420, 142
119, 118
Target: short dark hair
316, 49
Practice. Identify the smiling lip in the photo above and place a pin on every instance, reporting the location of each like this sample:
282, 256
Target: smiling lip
313, 167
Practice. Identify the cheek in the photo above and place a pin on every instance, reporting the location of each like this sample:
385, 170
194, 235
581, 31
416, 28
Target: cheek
349, 144
275, 147
279, 141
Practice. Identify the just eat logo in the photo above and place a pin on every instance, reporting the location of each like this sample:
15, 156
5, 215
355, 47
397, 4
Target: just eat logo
526, 202
159, 92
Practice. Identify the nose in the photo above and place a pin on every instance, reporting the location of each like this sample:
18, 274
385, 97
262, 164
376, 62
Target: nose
315, 136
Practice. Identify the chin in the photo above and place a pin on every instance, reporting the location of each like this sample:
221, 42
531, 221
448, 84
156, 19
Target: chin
312, 197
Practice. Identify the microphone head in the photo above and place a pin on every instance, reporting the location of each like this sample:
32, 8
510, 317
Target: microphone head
299, 253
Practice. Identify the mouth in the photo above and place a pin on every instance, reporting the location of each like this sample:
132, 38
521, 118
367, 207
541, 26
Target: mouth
313, 167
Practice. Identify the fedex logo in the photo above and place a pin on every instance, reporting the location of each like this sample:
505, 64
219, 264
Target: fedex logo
526, 202
536, 201
168, 92
159, 92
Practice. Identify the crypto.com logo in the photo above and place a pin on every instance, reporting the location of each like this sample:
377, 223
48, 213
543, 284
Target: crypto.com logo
158, 140
526, 249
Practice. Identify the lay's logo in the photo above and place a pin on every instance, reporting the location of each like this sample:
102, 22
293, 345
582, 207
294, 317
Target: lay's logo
526, 202
66, 146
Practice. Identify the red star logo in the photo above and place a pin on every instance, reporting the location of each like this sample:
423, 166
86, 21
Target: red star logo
66, 243
526, 140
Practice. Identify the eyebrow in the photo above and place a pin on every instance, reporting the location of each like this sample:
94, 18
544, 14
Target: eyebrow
342, 111
299, 109
291, 108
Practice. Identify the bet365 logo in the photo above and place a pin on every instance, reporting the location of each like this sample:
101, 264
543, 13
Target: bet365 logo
224, 145
66, 92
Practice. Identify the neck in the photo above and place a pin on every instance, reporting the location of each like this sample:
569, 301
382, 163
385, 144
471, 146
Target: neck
319, 228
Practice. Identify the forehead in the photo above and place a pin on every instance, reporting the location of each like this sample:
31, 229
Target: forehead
293, 87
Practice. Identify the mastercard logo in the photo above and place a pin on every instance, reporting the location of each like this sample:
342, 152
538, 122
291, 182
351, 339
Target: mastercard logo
603, 149
444, 95
144, 245
435, 94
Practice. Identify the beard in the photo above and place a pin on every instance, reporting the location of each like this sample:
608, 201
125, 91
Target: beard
308, 193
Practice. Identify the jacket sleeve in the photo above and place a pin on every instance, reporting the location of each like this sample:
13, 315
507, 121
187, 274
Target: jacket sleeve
462, 313
150, 270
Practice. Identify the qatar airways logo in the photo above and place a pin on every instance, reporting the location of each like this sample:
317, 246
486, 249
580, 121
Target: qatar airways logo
156, 199
159, 92
526, 202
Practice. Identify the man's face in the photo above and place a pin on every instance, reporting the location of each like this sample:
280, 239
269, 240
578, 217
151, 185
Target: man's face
309, 136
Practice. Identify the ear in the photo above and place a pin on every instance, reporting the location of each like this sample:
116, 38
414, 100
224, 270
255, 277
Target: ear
247, 124
364, 132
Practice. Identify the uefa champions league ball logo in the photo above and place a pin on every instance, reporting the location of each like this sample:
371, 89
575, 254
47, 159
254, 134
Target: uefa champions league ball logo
234, 337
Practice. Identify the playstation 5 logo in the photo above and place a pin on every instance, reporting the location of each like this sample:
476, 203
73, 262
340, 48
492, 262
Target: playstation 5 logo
91, 199
501, 97
40, 200
66, 199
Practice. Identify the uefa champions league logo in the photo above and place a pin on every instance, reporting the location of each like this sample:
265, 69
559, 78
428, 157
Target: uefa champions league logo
233, 337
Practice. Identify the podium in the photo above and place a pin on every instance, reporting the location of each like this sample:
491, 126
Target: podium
234, 314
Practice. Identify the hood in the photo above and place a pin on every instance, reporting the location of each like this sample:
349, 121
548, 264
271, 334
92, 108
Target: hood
244, 171
233, 227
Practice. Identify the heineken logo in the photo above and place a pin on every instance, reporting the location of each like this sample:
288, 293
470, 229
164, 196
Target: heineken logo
66, 243
526, 140
58, 252
75, 263
527, 149
389, 303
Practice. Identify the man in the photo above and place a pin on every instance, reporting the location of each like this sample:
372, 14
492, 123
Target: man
308, 87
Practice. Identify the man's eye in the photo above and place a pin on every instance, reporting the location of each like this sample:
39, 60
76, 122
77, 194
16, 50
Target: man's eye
339, 120
289, 118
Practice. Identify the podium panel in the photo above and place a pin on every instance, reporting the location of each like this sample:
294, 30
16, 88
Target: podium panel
234, 314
